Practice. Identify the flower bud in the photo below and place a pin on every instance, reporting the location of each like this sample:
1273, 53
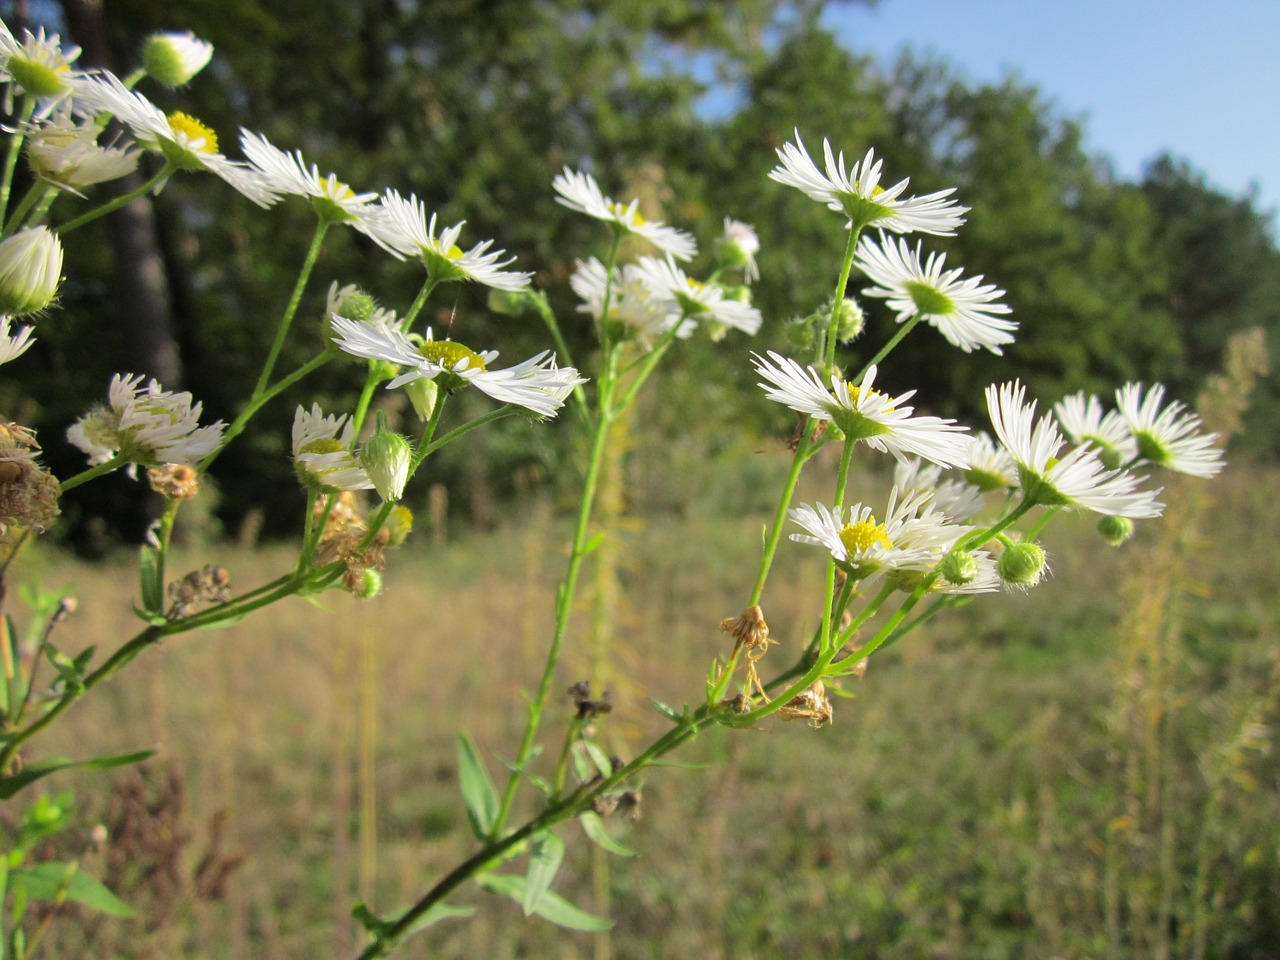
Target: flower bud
399, 525
423, 394
1022, 564
800, 331
369, 584
1115, 530
172, 59
959, 568
30, 270
385, 457
850, 320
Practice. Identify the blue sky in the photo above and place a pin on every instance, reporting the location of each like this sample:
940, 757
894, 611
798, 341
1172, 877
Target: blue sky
1199, 79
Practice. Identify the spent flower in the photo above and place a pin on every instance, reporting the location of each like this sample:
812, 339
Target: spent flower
145, 425
66, 153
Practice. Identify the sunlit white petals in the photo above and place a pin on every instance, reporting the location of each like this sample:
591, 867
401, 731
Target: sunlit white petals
739, 246
536, 384
856, 192
403, 229
184, 141
990, 466
963, 311
147, 425
288, 175
863, 413
1084, 420
1170, 437
580, 192
1078, 478
173, 59
955, 498
322, 450
631, 304
66, 153
38, 65
695, 300
12, 347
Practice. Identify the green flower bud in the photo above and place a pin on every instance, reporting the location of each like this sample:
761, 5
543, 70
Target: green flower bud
1022, 564
800, 331
959, 568
172, 59
850, 320
385, 457
30, 270
423, 394
369, 584
1115, 530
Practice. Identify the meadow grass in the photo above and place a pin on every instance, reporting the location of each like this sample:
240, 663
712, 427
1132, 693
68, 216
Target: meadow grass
975, 798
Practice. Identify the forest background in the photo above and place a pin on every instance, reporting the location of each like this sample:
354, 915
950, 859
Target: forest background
475, 106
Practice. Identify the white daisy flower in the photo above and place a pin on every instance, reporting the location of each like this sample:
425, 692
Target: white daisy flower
183, 140
863, 413
173, 59
401, 227
1170, 437
912, 537
1078, 478
694, 300
322, 451
961, 310
857, 192
739, 246
37, 65
147, 425
990, 466
632, 305
287, 175
30, 270
957, 499
1083, 419
12, 347
580, 192
536, 384
67, 154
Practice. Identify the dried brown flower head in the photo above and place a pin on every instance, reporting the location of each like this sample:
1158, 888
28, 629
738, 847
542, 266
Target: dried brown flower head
811, 705
177, 481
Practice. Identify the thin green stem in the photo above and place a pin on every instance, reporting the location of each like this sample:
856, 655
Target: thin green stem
371, 381
774, 535
419, 302
124, 199
884, 351
833, 327
454, 434
37, 192
115, 463
15, 148
291, 309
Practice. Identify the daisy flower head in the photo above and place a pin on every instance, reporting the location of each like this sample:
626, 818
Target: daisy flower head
1079, 478
691, 299
66, 154
181, 139
1170, 437
37, 65
401, 227
908, 539
30, 270
12, 347
863, 413
857, 192
633, 310
1083, 419
173, 59
579, 191
990, 466
963, 311
287, 175
738, 248
536, 384
955, 498
322, 451
146, 425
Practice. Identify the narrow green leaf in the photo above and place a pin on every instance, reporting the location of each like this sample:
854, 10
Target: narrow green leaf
441, 911
35, 771
150, 579
478, 791
45, 881
544, 863
595, 829
598, 757
671, 713
593, 544
552, 906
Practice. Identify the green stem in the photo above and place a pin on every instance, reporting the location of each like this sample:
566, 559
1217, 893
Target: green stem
15, 148
458, 432
419, 302
371, 381
313, 253
115, 463
774, 535
896, 339
164, 173
833, 331
543, 308
37, 192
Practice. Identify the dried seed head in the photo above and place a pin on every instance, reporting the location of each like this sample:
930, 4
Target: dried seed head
811, 705
588, 709
177, 481
748, 629
28, 492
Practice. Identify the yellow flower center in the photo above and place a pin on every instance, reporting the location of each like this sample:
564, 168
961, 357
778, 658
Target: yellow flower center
619, 210
454, 252
193, 134
860, 537
449, 353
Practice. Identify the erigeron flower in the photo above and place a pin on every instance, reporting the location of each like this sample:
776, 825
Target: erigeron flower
632, 306
145, 425
172, 59
695, 300
30, 270
1170, 437
913, 535
738, 248
963, 311
863, 413
536, 384
1079, 478
858, 194
12, 347
401, 227
990, 466
183, 140
37, 65
956, 498
322, 451
1083, 420
580, 192
67, 154
287, 175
